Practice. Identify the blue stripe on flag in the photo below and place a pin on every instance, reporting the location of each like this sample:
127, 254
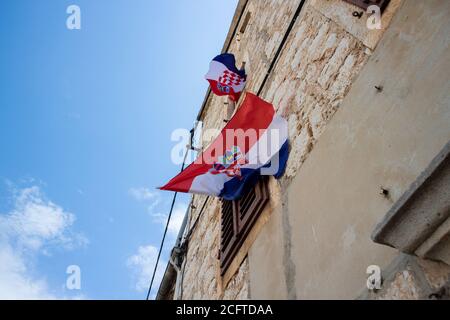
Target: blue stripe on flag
230, 62
236, 188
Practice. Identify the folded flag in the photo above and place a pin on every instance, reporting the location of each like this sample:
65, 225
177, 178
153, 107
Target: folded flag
225, 78
254, 142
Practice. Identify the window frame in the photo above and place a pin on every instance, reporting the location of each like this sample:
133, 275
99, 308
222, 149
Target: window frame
237, 219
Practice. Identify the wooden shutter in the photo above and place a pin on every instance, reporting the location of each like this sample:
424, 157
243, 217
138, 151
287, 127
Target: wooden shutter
237, 219
364, 4
228, 232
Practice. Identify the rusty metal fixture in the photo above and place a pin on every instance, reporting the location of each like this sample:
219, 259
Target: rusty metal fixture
357, 14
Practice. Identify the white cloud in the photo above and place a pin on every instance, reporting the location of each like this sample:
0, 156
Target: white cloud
153, 199
175, 221
34, 226
143, 194
15, 282
177, 218
142, 264
147, 196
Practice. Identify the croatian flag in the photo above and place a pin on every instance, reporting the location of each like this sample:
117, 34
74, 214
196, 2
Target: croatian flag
253, 143
225, 78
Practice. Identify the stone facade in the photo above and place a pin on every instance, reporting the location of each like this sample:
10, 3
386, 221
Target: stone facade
311, 77
412, 278
325, 50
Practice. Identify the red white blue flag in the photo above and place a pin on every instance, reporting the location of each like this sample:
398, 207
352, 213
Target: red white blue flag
225, 79
254, 142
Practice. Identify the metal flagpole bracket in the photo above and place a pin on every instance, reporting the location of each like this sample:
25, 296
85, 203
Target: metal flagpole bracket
229, 110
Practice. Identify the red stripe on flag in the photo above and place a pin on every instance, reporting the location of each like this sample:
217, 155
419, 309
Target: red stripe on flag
214, 88
254, 113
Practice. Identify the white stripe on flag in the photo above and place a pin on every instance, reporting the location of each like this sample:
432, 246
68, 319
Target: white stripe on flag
258, 155
216, 70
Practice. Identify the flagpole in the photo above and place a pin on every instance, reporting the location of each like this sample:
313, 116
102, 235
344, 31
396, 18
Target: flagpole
230, 109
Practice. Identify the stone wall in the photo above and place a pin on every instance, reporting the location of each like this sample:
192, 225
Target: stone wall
376, 139
202, 278
412, 278
257, 47
201, 261
311, 78
312, 75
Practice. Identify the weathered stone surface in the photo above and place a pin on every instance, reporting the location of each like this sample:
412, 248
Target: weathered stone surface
404, 287
311, 77
237, 288
409, 277
257, 47
342, 13
437, 274
202, 264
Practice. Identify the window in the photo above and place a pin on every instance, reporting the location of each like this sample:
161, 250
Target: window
237, 219
245, 23
364, 4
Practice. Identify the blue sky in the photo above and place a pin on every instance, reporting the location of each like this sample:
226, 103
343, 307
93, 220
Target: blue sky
85, 123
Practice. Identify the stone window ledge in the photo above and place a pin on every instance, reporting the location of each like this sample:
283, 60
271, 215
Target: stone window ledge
419, 222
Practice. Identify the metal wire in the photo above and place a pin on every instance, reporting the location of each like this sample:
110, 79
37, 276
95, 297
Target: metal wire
165, 230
